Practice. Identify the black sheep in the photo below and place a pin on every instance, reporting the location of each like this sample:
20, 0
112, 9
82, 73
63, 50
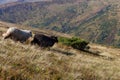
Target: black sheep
44, 41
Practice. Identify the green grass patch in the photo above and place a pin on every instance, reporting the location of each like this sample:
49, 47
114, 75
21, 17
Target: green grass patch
74, 42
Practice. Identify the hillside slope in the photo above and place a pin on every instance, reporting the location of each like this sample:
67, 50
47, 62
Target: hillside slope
10, 1
25, 62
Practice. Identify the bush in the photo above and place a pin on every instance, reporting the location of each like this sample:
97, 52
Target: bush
74, 42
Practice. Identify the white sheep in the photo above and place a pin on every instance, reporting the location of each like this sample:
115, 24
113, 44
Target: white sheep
17, 34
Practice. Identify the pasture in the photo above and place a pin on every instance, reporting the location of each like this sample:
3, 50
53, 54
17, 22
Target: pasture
25, 62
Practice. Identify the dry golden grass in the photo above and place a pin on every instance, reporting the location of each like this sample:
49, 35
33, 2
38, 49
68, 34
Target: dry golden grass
25, 62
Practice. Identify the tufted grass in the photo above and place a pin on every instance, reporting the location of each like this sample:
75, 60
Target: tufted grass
25, 62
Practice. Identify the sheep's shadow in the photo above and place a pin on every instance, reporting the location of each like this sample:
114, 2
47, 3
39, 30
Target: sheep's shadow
95, 53
62, 52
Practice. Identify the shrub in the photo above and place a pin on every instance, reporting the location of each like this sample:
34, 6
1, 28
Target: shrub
74, 42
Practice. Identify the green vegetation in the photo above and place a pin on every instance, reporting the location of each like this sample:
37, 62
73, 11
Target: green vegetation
74, 42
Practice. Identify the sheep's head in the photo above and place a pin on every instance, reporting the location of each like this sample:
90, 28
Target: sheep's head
4, 35
54, 38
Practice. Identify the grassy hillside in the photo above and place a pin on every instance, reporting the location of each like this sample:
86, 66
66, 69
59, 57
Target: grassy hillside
25, 62
93, 20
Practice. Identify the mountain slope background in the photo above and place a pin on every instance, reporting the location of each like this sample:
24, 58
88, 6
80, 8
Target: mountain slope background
94, 20
10, 1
